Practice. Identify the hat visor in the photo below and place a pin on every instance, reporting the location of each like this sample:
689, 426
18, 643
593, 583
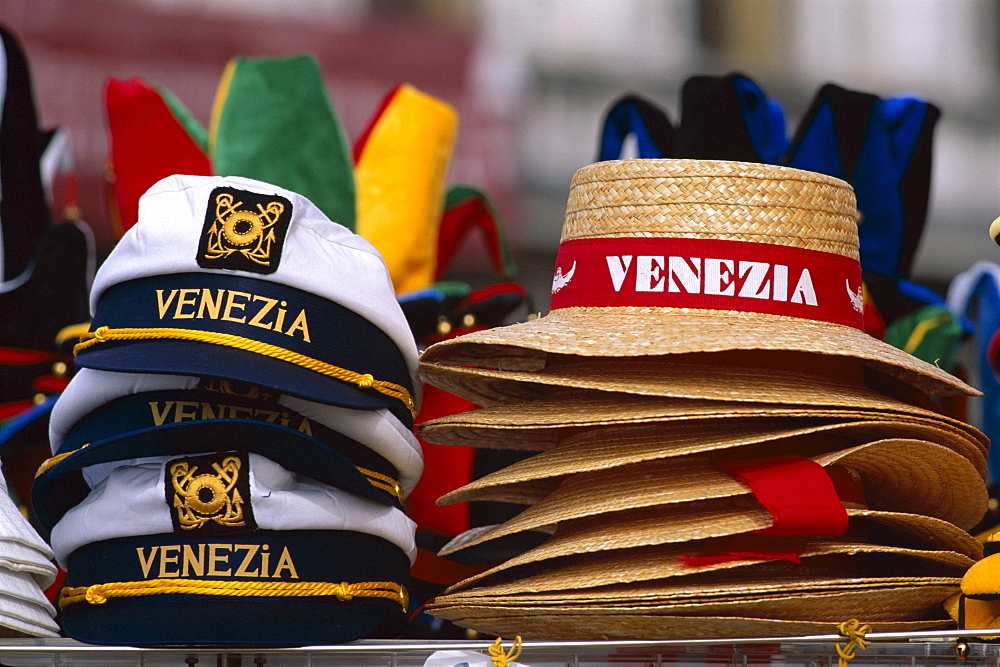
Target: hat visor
536, 425
208, 360
58, 489
529, 480
632, 331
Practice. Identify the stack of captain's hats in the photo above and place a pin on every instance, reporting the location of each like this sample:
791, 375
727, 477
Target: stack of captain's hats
26, 570
721, 450
237, 442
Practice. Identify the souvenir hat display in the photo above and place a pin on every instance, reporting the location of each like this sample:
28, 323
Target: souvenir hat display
391, 187
145, 549
26, 570
721, 449
243, 410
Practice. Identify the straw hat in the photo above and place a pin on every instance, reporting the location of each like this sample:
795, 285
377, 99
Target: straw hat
663, 257
705, 519
809, 598
665, 561
902, 598
536, 425
530, 479
892, 471
792, 378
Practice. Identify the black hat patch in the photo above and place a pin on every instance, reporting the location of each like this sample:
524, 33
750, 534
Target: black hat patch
243, 231
210, 494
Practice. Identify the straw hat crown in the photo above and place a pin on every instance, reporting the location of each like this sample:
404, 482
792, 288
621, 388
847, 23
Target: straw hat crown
713, 199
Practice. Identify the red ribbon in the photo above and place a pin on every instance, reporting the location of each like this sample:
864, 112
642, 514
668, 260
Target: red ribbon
797, 492
747, 547
803, 499
711, 274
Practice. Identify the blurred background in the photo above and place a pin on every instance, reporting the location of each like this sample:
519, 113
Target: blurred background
531, 80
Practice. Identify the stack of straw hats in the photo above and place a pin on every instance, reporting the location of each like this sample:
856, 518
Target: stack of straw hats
717, 447
237, 443
26, 570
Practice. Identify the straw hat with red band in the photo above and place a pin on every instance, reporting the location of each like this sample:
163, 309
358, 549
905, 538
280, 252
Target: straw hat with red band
950, 487
538, 425
683, 256
805, 496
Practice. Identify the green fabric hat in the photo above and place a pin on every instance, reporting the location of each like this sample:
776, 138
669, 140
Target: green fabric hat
273, 121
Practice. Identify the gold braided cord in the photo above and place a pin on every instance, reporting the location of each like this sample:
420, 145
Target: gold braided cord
101, 593
363, 380
384, 482
855, 632
501, 658
49, 462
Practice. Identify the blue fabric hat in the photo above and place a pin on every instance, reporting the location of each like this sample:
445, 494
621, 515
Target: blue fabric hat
237, 279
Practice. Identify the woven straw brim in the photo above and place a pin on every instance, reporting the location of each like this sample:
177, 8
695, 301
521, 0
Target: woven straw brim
529, 480
837, 386
634, 332
702, 519
658, 562
909, 600
912, 477
536, 425
783, 578
575, 624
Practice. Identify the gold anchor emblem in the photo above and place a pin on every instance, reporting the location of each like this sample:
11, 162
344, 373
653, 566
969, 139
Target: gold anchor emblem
236, 230
199, 499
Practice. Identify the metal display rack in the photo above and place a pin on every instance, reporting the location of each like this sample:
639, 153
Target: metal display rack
937, 648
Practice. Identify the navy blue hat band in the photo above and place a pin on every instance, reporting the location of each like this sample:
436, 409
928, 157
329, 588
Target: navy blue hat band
148, 589
260, 317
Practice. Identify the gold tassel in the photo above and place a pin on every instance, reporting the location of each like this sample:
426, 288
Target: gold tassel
502, 659
855, 633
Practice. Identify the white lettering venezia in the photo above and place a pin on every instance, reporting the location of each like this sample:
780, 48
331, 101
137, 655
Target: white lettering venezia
713, 276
